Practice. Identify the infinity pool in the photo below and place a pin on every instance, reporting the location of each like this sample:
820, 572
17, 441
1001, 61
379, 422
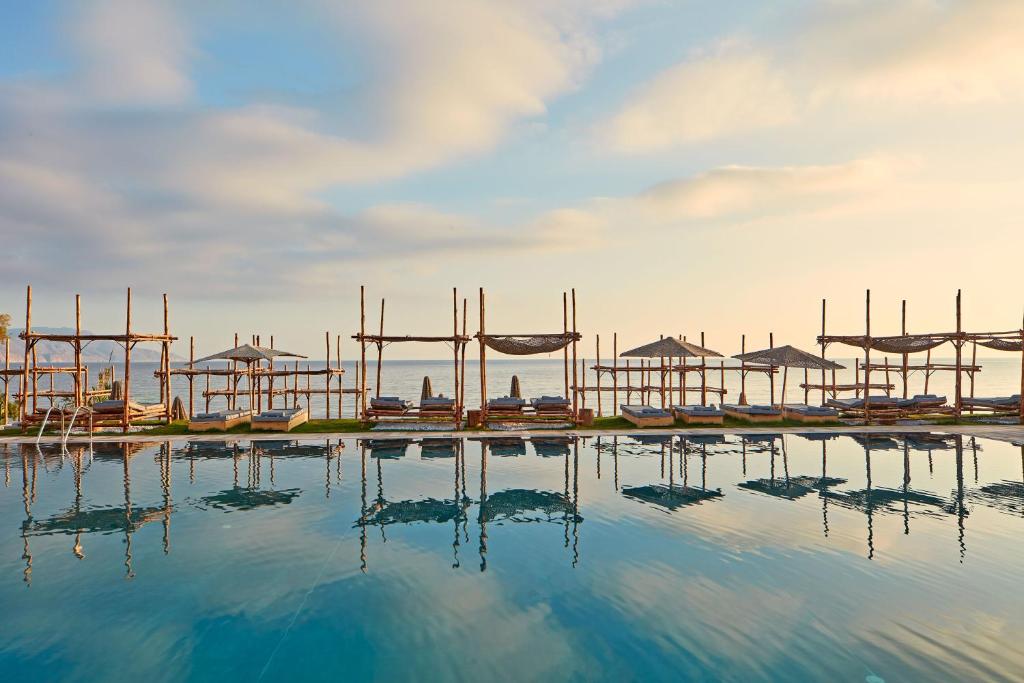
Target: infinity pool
892, 558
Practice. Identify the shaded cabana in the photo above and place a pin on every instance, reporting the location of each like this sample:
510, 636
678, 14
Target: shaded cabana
544, 407
249, 355
248, 498
671, 348
527, 505
394, 407
787, 357
120, 412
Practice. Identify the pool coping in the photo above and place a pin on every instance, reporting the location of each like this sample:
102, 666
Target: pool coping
1010, 433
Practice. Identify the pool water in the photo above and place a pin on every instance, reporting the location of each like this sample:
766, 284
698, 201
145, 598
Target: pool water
893, 558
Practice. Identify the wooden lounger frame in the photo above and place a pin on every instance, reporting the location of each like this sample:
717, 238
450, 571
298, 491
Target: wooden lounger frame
659, 421
698, 419
751, 417
222, 425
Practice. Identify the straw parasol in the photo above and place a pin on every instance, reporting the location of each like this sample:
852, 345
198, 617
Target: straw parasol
670, 347
249, 354
788, 357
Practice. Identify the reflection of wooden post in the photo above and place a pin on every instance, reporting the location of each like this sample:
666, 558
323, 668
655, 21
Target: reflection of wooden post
615, 374
125, 395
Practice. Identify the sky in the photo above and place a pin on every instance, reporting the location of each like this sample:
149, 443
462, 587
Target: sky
688, 167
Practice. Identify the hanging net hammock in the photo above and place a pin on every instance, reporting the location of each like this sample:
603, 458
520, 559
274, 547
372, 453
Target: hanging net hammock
531, 344
900, 344
1002, 344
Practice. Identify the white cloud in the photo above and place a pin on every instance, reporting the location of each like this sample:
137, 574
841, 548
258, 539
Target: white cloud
701, 100
856, 59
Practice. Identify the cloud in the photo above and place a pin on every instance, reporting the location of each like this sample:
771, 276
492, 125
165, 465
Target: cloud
851, 59
121, 163
133, 52
701, 100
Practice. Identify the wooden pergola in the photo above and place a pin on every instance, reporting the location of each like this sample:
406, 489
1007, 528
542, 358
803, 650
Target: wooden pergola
456, 341
127, 414
531, 344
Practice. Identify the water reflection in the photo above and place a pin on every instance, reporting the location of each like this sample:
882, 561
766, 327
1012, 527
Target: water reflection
676, 478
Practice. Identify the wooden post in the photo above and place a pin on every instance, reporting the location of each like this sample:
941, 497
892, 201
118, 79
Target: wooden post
743, 372
615, 374
958, 390
327, 381
455, 351
166, 352
703, 375
78, 350
483, 357
927, 369
28, 347
575, 412
771, 370
1022, 374
234, 379
565, 349
207, 390
906, 356
125, 396
598, 364
807, 391
867, 356
462, 360
191, 377
362, 346
785, 375
682, 383
823, 351
974, 364
380, 350
341, 375
7, 378
888, 392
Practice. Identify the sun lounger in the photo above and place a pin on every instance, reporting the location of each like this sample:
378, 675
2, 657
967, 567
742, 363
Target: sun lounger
437, 404
279, 419
922, 401
701, 415
995, 404
551, 404
752, 413
221, 420
805, 413
506, 405
647, 416
389, 405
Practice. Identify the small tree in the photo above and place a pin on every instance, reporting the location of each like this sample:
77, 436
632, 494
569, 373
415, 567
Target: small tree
5, 323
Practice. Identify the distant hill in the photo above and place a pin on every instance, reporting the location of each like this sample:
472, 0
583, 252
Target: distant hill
94, 352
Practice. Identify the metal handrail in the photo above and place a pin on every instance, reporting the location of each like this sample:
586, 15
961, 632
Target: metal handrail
43, 426
71, 425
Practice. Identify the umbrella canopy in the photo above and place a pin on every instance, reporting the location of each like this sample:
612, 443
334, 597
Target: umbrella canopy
670, 346
788, 357
427, 391
515, 391
247, 353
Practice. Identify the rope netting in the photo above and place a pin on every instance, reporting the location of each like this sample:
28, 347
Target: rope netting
902, 344
529, 345
1002, 344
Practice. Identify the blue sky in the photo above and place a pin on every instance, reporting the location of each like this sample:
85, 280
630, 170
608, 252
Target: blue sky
687, 166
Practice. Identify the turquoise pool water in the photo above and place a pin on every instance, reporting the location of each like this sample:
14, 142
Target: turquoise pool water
772, 558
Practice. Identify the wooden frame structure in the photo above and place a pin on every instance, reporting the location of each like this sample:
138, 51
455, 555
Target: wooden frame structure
664, 371
128, 413
456, 341
265, 378
531, 344
905, 344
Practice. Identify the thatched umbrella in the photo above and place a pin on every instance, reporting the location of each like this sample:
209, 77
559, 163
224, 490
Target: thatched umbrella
427, 391
788, 357
515, 391
671, 347
249, 354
